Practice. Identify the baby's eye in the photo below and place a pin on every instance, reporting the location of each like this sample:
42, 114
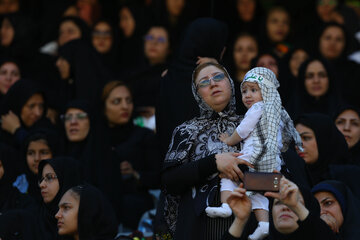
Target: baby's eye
254, 90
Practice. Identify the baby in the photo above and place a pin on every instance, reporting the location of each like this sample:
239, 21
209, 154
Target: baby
265, 132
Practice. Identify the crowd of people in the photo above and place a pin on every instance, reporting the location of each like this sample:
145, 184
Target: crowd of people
112, 114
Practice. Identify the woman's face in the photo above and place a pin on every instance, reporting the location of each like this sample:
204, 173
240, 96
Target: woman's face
157, 45
245, 49
64, 67
269, 62
37, 151
49, 184
9, 74
77, 124
68, 31
325, 9
330, 206
278, 26
127, 22
316, 79
67, 216
2, 171
348, 123
7, 33
119, 106
285, 220
297, 58
175, 7
217, 95
308, 138
102, 38
246, 9
33, 110
332, 42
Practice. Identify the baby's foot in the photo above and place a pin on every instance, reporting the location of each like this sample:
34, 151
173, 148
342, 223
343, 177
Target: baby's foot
223, 211
260, 232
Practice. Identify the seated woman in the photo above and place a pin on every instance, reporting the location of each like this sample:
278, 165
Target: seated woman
84, 213
41, 144
319, 134
55, 177
23, 109
340, 209
347, 120
134, 152
294, 214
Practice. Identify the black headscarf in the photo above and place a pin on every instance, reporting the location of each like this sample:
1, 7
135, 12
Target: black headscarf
205, 37
355, 150
87, 72
304, 103
332, 147
312, 206
96, 218
69, 174
350, 207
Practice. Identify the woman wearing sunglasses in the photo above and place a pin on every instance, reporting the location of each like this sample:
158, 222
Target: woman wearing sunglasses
55, 177
196, 158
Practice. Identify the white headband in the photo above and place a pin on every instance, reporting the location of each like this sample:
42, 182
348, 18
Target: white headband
253, 77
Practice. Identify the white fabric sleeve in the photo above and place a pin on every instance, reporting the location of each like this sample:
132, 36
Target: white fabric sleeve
250, 120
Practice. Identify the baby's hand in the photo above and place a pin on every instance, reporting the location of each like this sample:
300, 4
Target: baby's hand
224, 137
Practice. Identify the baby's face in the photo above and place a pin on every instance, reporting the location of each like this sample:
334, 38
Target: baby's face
251, 93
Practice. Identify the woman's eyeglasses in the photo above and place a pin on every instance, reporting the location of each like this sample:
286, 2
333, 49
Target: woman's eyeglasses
48, 178
152, 38
77, 116
206, 82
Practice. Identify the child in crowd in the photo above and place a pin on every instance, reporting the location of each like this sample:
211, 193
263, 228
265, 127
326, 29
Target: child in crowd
265, 132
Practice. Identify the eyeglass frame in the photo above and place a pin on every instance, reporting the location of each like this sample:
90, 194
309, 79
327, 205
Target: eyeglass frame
211, 78
83, 115
48, 178
149, 37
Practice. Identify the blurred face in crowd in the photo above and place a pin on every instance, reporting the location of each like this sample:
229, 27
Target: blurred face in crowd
119, 106
127, 22
67, 216
245, 49
325, 8
63, 67
37, 151
157, 45
2, 171
9, 74
278, 25
297, 58
308, 138
102, 38
175, 7
269, 62
330, 206
348, 123
49, 184
316, 79
285, 220
246, 9
9, 6
218, 93
77, 124
68, 31
332, 42
33, 110
7, 33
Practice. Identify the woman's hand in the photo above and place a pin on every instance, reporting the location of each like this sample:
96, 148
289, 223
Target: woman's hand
127, 169
330, 221
227, 164
10, 122
290, 195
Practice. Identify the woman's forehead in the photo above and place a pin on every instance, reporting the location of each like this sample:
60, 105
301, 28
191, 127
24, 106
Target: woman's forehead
208, 71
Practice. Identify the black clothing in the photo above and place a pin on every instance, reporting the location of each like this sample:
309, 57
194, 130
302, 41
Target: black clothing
96, 218
176, 103
350, 207
68, 173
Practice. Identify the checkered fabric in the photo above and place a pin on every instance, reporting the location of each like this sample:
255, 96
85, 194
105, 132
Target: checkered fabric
265, 133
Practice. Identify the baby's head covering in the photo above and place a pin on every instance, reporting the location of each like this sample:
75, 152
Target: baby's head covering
266, 131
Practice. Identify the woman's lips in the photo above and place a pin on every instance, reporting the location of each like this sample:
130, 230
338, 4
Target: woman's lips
301, 154
285, 216
124, 115
216, 92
